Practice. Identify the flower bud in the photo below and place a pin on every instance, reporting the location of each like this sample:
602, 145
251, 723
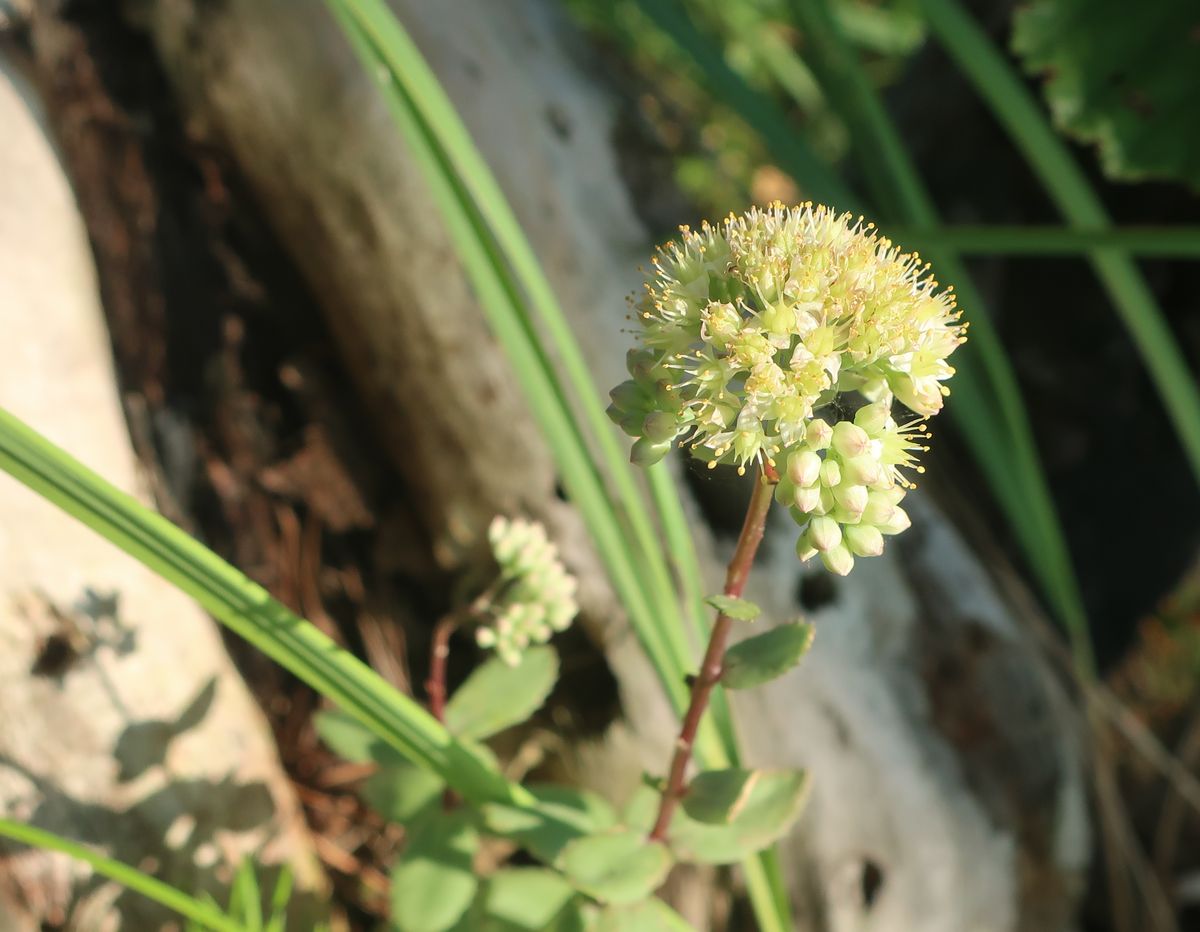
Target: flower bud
898, 522
808, 499
863, 540
873, 417
851, 497
862, 470
849, 440
646, 452
831, 473
824, 533
879, 509
818, 435
838, 560
804, 468
660, 427
804, 548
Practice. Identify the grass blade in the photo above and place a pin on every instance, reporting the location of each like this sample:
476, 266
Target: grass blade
484, 260
988, 406
1048, 241
248, 610
129, 877
1066, 184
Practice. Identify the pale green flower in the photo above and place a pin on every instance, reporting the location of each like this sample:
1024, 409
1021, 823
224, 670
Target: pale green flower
535, 595
751, 327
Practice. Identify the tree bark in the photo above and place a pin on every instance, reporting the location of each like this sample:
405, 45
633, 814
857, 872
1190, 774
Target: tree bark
949, 791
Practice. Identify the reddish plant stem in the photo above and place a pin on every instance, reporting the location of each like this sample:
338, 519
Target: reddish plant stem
714, 656
435, 686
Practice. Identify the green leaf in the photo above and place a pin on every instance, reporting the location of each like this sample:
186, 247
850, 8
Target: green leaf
652, 915
349, 738
717, 796
1128, 83
563, 815
434, 882
774, 802
733, 607
762, 658
400, 791
526, 900
619, 867
497, 696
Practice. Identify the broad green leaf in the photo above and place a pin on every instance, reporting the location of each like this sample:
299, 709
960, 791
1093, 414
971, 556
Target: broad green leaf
1127, 82
527, 899
717, 796
399, 791
563, 815
735, 608
760, 659
497, 696
619, 867
352, 740
435, 882
652, 915
773, 804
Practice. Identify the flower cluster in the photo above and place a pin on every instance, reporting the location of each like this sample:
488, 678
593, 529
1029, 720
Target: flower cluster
534, 596
752, 326
843, 484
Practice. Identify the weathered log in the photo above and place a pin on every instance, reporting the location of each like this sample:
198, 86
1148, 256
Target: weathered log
948, 781
123, 722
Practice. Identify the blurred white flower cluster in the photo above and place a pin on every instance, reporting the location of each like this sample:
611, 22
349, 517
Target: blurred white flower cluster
535, 595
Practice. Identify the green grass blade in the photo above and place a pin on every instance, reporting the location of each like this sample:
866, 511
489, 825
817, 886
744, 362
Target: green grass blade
129, 877
1156, 242
988, 406
1066, 184
501, 300
434, 108
249, 611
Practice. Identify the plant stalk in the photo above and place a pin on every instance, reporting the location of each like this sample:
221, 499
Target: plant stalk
435, 686
714, 656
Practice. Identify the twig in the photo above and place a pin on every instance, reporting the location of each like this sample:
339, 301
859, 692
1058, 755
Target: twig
714, 656
435, 686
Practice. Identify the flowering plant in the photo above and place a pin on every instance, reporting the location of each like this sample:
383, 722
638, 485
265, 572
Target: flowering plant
752, 326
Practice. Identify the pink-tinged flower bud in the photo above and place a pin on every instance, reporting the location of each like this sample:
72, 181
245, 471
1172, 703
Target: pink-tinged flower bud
804, 468
849, 440
862, 470
808, 499
818, 435
851, 497
838, 560
879, 509
831, 473
824, 533
898, 522
864, 540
